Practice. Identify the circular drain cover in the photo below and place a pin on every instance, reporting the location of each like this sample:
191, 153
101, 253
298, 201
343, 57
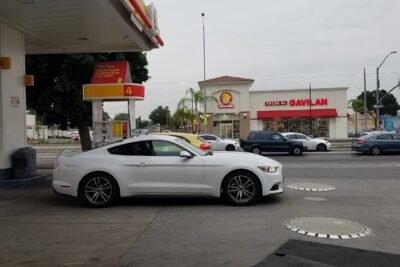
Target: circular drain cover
324, 227
311, 187
315, 198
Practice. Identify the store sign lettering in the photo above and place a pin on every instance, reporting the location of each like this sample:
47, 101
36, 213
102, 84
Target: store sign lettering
276, 103
306, 102
299, 102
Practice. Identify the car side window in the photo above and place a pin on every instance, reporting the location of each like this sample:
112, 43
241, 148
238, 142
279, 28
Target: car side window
253, 136
206, 137
276, 137
181, 137
291, 136
301, 136
396, 137
384, 137
210, 137
165, 149
143, 148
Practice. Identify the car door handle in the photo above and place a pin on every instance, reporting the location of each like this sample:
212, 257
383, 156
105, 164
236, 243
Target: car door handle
140, 164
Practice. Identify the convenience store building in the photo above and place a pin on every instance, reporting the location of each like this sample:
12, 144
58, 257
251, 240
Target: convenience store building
236, 109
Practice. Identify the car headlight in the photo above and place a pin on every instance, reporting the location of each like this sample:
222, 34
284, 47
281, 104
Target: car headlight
269, 169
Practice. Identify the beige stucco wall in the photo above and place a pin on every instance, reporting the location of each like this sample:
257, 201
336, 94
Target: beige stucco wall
337, 99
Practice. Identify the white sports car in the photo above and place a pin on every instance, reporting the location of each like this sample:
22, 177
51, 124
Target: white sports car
218, 144
311, 143
164, 165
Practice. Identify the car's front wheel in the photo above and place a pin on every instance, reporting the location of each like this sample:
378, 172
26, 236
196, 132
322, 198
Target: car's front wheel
256, 150
321, 147
241, 188
99, 190
230, 148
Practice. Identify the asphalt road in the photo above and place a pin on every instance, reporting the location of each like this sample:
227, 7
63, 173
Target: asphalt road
40, 229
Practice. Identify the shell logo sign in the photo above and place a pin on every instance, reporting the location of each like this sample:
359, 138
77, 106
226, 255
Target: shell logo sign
226, 99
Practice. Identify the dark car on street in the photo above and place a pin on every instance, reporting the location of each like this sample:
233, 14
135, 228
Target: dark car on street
377, 144
263, 141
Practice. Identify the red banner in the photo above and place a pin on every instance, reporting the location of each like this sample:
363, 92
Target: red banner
110, 72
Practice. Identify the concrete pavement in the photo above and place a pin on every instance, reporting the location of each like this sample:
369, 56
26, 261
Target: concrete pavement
40, 229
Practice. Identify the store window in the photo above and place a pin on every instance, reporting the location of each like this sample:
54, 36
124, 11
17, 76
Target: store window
316, 127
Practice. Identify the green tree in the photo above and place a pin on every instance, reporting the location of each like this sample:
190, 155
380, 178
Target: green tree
121, 117
196, 99
181, 118
160, 115
390, 104
357, 106
57, 94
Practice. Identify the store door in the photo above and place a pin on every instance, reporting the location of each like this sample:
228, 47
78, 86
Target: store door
226, 131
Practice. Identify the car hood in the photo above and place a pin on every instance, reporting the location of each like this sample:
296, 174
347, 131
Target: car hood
243, 158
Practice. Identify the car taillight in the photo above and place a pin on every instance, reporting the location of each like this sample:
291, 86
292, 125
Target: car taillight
56, 164
360, 142
204, 146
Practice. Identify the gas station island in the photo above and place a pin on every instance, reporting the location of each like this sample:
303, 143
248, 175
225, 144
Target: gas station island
69, 26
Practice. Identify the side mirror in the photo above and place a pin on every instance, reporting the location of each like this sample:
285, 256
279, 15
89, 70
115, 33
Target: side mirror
185, 154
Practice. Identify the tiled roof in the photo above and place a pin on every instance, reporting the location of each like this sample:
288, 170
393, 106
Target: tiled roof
227, 79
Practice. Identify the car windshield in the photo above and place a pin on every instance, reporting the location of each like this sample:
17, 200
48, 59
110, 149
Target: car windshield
192, 147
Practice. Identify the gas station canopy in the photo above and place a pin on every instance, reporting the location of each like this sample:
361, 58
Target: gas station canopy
74, 26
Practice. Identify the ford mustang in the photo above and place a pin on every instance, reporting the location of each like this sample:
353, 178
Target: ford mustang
164, 166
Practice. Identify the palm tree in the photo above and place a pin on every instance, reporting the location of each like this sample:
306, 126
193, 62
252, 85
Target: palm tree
356, 105
181, 117
196, 100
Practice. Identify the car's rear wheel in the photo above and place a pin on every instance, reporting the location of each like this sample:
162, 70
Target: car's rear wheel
99, 190
230, 148
321, 147
256, 150
297, 151
375, 150
241, 188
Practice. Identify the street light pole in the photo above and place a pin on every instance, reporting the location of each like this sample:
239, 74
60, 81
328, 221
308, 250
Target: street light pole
204, 77
309, 90
377, 90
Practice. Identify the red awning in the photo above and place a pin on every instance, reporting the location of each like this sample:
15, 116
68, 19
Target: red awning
303, 113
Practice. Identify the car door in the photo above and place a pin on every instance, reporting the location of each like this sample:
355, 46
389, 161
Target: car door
213, 140
385, 142
396, 142
309, 142
279, 143
165, 172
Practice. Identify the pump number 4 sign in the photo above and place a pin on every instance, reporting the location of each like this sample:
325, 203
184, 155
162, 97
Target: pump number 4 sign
128, 91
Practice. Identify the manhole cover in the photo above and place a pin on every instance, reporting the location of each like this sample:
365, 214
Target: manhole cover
311, 187
315, 198
324, 227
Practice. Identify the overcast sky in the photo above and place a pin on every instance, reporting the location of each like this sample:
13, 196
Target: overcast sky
280, 44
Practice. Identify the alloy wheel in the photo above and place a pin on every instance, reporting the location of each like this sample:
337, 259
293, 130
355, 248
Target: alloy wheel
98, 190
241, 189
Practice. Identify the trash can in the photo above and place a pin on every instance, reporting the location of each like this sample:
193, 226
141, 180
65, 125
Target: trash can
24, 162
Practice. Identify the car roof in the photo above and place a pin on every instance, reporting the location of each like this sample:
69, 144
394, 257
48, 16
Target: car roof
175, 133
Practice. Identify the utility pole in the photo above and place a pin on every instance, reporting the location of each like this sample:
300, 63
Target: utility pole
365, 101
309, 90
204, 78
378, 104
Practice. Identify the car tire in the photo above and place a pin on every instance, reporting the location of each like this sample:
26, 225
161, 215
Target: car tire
375, 150
256, 150
99, 190
321, 148
297, 151
241, 188
230, 148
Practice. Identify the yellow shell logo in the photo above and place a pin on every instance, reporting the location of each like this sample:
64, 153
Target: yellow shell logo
226, 98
